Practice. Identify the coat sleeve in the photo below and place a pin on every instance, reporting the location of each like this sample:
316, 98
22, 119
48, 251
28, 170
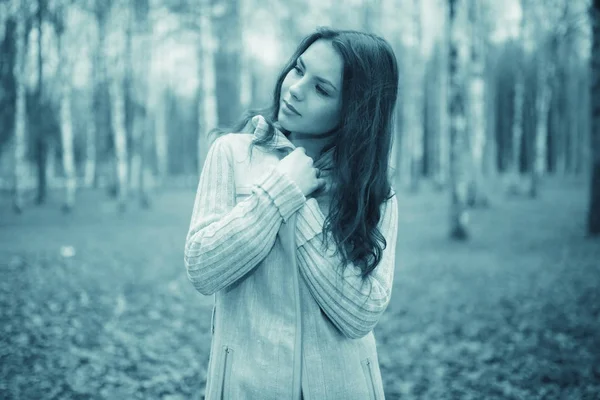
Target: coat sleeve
352, 304
226, 240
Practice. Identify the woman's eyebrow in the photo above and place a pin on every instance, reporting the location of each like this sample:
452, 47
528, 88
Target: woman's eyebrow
301, 62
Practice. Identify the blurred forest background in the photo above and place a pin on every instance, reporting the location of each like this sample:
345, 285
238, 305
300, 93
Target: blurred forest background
104, 110
120, 94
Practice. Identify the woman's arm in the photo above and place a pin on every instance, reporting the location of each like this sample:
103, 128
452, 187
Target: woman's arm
353, 305
225, 241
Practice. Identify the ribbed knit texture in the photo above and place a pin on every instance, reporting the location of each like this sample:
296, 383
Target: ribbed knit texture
354, 305
225, 241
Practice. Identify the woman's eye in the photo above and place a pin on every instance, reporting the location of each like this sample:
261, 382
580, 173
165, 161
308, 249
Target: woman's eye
298, 70
322, 91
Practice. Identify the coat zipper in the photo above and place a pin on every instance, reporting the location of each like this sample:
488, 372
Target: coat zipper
225, 370
297, 383
369, 377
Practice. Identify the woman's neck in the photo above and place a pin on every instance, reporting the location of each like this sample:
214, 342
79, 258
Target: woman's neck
313, 144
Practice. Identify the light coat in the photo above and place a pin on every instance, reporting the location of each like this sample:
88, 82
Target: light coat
287, 321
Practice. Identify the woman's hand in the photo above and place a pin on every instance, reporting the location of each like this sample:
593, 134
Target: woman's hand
299, 168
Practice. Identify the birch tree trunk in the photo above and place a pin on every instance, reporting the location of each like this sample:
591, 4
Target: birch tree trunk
371, 15
513, 168
207, 96
415, 103
141, 51
161, 142
52, 166
117, 100
146, 61
459, 159
517, 128
593, 227
247, 66
393, 29
90, 148
584, 120
131, 103
577, 103
431, 115
119, 130
477, 98
542, 106
101, 101
41, 141
559, 115
443, 170
491, 148
20, 125
228, 60
66, 121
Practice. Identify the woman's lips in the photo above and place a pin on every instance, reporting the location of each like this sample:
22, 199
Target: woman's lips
290, 107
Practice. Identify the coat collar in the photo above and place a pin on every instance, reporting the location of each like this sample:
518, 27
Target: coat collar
259, 128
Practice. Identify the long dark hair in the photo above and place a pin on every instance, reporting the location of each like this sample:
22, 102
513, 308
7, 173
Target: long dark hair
362, 141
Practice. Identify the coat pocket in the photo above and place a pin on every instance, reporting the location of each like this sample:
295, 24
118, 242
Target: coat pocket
367, 367
225, 373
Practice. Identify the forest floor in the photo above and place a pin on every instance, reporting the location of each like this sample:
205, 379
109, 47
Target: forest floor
97, 305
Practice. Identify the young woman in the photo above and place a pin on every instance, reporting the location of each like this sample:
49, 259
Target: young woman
294, 229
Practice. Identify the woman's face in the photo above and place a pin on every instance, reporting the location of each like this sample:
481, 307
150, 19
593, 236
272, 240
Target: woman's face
311, 93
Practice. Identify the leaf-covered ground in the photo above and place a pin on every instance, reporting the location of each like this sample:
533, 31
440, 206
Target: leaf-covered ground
96, 305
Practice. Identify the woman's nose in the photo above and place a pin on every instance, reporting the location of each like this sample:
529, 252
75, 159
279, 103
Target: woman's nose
296, 91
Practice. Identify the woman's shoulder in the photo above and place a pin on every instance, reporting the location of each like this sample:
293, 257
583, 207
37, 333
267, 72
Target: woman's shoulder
235, 146
233, 140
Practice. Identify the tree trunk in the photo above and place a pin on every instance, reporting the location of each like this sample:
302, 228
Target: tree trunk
372, 15
517, 126
478, 196
138, 95
117, 102
458, 124
491, 149
415, 103
594, 210
66, 124
41, 141
559, 142
51, 167
575, 103
228, 61
101, 102
137, 158
431, 116
161, 142
207, 97
514, 170
90, 148
443, 170
131, 103
542, 106
584, 121
20, 140
579, 98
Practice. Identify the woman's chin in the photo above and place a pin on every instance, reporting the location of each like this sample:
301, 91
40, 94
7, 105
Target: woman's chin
284, 122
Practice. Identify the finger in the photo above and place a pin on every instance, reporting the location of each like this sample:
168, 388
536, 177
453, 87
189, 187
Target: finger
317, 172
301, 149
321, 183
